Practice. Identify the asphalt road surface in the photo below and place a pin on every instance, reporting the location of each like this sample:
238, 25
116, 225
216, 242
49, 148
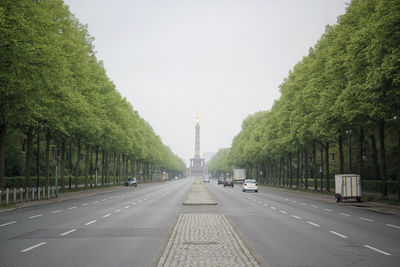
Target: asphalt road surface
130, 227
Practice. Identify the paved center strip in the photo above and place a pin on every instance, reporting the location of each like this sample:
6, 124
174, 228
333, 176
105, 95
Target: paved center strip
199, 195
205, 240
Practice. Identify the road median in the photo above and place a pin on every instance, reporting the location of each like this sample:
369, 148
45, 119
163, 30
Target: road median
199, 195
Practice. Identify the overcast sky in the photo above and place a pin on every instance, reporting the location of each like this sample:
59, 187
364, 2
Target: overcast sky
223, 60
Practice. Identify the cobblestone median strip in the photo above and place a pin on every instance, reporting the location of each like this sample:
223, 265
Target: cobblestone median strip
205, 240
199, 195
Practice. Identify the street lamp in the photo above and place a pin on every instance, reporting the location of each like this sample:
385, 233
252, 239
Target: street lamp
350, 132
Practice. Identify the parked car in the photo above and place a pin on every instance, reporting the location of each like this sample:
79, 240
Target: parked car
221, 180
206, 180
250, 185
228, 182
131, 181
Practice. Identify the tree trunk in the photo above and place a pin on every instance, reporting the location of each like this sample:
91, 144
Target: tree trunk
375, 157
341, 155
97, 166
327, 166
62, 162
115, 168
70, 164
103, 155
398, 159
361, 155
306, 166
87, 165
123, 167
47, 168
314, 171
290, 171
78, 160
107, 170
2, 153
91, 168
28, 156
321, 169
38, 159
297, 169
383, 156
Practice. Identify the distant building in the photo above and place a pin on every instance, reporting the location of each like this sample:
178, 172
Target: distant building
208, 155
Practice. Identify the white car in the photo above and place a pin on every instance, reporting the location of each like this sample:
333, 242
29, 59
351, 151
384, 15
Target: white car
206, 180
250, 185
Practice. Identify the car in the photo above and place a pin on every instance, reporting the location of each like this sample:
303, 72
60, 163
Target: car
206, 180
250, 185
221, 180
228, 182
131, 181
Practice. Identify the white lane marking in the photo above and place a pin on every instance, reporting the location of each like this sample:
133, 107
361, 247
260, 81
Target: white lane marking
68, 232
89, 223
297, 217
265, 204
294, 201
287, 199
95, 202
35, 216
378, 250
328, 210
344, 214
273, 208
127, 207
104, 199
304, 204
140, 201
35, 246
85, 204
144, 199
335, 233
315, 207
394, 226
282, 211
313, 223
105, 216
5, 224
56, 211
111, 197
118, 210
258, 202
366, 219
134, 203
71, 208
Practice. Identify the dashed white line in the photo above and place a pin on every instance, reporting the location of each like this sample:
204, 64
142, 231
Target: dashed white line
304, 204
95, 202
294, 201
317, 225
259, 202
127, 207
89, 223
68, 232
56, 211
106, 215
104, 199
118, 210
71, 208
140, 201
297, 217
344, 214
315, 207
378, 250
134, 203
287, 199
35, 216
335, 233
273, 208
394, 226
282, 211
35, 246
85, 204
265, 204
327, 210
5, 224
366, 219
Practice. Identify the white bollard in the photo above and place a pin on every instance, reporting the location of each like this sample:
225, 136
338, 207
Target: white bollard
1, 193
48, 193
15, 195
20, 195
7, 192
38, 193
44, 192
33, 194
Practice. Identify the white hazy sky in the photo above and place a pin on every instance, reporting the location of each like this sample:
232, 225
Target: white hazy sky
221, 59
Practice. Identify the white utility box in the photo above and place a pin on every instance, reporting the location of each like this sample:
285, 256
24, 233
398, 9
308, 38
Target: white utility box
347, 186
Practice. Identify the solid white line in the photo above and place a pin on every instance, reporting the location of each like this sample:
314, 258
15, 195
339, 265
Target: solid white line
4, 224
89, 223
105, 216
68, 232
328, 210
56, 211
344, 214
127, 207
297, 217
378, 250
72, 208
35, 246
365, 219
313, 223
282, 211
273, 208
394, 226
85, 204
35, 216
117, 210
343, 236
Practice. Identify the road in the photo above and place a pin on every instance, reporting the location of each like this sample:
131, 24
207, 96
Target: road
130, 227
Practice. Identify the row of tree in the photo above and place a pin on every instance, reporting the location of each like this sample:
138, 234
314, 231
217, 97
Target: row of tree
52, 83
346, 89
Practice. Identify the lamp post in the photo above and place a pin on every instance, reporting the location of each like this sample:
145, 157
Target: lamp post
350, 132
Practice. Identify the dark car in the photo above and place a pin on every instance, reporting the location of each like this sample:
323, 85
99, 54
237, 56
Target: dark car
228, 182
131, 181
221, 180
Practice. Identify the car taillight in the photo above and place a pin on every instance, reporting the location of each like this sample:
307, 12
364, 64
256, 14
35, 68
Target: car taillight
245, 184
256, 184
